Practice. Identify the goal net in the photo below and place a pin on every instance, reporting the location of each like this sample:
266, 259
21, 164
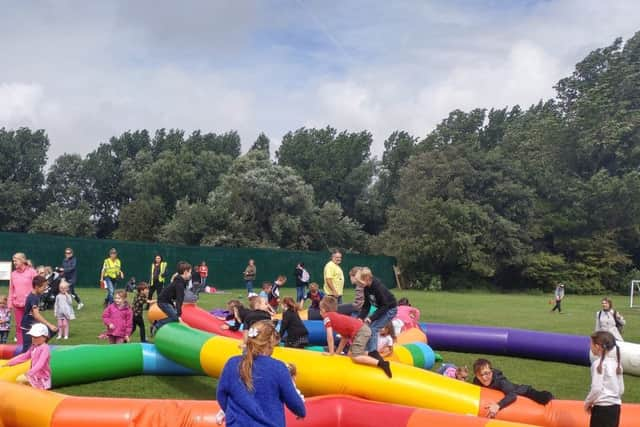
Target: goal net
635, 292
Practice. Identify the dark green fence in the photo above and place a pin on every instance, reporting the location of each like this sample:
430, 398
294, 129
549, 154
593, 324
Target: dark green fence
225, 264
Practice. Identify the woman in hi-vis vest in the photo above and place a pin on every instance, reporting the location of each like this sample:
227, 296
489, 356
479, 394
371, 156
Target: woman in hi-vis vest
110, 274
158, 272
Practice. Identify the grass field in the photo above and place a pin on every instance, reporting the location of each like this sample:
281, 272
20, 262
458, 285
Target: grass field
508, 310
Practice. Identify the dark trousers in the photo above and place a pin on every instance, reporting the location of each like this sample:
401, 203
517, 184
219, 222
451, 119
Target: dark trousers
139, 322
155, 287
605, 416
72, 291
558, 302
3, 337
26, 341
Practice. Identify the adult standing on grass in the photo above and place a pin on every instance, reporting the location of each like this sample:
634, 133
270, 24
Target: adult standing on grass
334, 277
559, 296
111, 272
69, 264
249, 275
20, 287
609, 319
158, 272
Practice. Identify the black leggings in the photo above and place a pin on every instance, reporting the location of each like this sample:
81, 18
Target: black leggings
605, 416
139, 322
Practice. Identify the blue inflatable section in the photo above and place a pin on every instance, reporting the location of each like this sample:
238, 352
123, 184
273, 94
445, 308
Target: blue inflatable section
155, 363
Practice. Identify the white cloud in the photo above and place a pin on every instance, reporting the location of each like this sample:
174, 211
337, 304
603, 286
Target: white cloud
87, 73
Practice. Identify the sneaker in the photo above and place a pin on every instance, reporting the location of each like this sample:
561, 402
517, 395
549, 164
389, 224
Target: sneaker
80, 305
66, 338
58, 337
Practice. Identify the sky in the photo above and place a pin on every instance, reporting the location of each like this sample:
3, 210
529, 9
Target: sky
88, 70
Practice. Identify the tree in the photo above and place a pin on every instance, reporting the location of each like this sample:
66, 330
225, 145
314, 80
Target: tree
64, 220
141, 220
23, 154
67, 182
262, 143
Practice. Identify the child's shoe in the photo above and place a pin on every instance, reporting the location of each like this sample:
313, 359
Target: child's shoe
66, 337
80, 305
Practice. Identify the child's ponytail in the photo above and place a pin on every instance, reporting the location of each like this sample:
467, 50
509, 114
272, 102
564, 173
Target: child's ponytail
619, 368
261, 338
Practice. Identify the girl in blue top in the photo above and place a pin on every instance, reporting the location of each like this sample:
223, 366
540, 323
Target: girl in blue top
253, 388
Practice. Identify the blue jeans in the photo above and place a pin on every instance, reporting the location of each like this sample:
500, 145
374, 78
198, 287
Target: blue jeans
249, 285
378, 324
301, 292
170, 311
111, 284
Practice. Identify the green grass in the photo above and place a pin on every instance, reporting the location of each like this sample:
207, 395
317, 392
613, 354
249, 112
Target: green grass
507, 310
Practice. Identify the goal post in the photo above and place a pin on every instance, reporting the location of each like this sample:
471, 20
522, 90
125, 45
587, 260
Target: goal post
635, 290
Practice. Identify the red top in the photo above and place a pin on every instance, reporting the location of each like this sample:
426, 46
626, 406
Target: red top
346, 326
203, 270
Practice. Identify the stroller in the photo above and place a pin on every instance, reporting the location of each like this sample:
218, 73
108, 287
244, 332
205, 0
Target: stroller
48, 299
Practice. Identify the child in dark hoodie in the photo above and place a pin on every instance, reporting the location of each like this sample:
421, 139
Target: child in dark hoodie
486, 376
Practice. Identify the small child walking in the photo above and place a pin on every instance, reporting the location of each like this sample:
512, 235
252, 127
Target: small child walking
139, 302
607, 385
118, 319
63, 310
39, 375
5, 319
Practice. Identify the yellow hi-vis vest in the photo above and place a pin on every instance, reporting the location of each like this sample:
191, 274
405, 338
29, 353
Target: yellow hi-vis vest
111, 268
163, 267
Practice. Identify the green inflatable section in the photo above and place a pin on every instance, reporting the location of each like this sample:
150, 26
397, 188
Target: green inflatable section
187, 353
418, 356
95, 363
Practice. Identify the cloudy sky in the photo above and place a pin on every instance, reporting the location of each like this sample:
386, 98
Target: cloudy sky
87, 70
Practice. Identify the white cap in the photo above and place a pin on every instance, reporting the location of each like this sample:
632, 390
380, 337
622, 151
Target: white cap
38, 330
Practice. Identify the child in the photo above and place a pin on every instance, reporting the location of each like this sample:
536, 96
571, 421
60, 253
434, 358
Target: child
378, 296
274, 295
63, 310
352, 329
302, 281
141, 299
173, 294
410, 316
452, 371
259, 310
314, 295
39, 375
238, 311
203, 271
264, 386
607, 385
265, 294
5, 320
297, 335
486, 376
293, 371
32, 312
386, 339
118, 318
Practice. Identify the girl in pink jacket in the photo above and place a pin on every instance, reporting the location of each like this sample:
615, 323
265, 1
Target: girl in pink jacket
39, 375
20, 286
118, 317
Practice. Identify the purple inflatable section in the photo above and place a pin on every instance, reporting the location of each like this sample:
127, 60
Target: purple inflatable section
565, 348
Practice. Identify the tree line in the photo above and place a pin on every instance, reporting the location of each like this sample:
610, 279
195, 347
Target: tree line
506, 198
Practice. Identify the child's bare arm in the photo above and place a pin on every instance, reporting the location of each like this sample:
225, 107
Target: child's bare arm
341, 346
330, 343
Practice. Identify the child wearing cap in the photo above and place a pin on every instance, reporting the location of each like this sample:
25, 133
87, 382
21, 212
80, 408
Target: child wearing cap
39, 375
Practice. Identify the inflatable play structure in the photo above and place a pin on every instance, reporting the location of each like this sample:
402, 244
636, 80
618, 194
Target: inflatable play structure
523, 343
201, 352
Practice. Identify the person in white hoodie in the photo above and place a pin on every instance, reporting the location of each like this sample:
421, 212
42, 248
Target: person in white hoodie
607, 385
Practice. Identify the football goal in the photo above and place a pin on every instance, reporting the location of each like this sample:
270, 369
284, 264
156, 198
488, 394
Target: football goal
635, 291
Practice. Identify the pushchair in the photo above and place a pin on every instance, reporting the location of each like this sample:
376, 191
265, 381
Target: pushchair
48, 298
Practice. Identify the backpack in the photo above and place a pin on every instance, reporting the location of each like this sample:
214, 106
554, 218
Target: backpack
619, 325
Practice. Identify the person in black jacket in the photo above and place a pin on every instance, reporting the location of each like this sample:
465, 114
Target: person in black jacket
375, 294
70, 275
292, 329
173, 294
494, 379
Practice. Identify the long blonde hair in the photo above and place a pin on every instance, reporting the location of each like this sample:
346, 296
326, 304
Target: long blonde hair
263, 342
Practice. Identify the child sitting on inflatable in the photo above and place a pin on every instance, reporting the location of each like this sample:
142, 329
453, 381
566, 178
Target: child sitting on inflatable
409, 316
486, 376
39, 375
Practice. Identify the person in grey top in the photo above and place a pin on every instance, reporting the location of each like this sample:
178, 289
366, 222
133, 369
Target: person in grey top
559, 295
